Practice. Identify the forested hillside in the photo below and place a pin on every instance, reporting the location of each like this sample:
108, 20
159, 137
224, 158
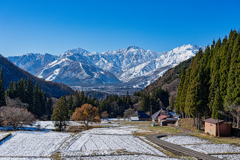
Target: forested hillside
212, 82
12, 73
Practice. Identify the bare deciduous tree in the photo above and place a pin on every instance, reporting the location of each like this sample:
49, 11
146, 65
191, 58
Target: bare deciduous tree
104, 115
129, 112
16, 117
234, 110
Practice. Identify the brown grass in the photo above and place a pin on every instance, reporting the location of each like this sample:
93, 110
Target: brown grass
187, 123
146, 125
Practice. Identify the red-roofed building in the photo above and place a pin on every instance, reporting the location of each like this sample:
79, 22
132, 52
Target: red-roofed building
211, 127
162, 120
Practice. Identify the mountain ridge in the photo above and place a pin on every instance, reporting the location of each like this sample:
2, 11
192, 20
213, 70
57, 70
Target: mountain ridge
13, 73
119, 66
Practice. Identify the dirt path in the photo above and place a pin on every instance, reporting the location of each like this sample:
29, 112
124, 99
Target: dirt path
177, 149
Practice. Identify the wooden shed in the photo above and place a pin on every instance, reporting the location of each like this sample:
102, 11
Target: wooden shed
211, 127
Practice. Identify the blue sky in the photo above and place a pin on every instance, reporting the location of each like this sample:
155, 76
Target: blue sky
54, 26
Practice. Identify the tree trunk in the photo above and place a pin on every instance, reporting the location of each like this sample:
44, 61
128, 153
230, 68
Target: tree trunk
199, 123
234, 124
194, 122
237, 121
218, 128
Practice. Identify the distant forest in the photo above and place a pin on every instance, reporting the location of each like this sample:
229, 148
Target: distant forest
42, 107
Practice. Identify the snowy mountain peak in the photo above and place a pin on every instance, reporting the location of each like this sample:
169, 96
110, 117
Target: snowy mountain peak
132, 65
133, 47
75, 51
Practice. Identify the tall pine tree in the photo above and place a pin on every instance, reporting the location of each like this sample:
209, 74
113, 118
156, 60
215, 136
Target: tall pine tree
2, 91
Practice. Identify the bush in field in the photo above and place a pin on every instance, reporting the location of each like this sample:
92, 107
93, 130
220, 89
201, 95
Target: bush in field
87, 113
104, 115
15, 117
60, 114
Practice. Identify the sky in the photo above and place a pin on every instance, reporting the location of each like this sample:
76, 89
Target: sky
55, 26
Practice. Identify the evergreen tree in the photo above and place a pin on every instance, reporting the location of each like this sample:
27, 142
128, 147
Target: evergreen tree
172, 102
231, 75
49, 106
217, 105
60, 114
30, 95
76, 102
21, 90
70, 104
180, 88
36, 101
236, 92
2, 91
145, 104
128, 99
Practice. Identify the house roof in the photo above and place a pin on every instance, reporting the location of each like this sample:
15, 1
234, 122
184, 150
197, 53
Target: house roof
159, 113
155, 115
163, 116
213, 121
140, 114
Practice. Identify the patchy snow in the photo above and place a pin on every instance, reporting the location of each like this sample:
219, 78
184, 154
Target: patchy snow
116, 130
214, 148
3, 134
21, 158
185, 140
90, 144
124, 157
228, 156
31, 143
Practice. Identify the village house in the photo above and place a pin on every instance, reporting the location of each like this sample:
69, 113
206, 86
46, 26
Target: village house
211, 127
142, 116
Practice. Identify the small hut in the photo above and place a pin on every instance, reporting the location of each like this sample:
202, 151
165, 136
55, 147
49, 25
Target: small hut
211, 127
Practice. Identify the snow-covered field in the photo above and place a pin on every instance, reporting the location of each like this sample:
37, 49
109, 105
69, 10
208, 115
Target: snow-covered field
228, 156
102, 143
90, 144
205, 146
214, 148
31, 143
115, 130
124, 157
185, 140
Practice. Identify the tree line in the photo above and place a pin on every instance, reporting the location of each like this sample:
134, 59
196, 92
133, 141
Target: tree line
33, 96
212, 82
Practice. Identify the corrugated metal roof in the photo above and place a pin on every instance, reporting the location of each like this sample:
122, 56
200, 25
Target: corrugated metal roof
213, 121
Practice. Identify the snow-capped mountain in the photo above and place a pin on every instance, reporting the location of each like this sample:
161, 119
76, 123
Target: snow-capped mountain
131, 65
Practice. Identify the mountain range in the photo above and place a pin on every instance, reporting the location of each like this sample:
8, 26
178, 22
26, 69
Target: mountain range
130, 67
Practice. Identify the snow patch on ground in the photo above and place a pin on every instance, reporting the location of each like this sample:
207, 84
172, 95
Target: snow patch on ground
228, 156
116, 130
214, 148
185, 140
